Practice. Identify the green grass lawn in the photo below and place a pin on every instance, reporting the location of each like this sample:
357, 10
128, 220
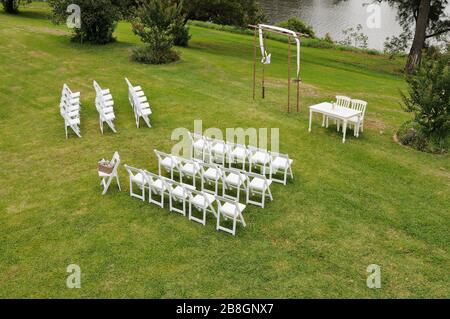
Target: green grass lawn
369, 201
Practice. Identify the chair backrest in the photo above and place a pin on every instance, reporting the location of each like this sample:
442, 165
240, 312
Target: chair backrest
343, 101
134, 171
359, 105
161, 155
260, 176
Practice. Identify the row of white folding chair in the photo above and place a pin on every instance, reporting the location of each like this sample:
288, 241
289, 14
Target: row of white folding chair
224, 152
345, 101
70, 110
161, 186
231, 179
105, 106
139, 103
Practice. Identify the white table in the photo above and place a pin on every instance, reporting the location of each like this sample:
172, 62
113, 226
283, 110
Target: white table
338, 112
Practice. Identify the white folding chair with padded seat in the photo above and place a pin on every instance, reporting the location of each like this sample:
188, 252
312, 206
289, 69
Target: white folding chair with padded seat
210, 174
178, 193
229, 209
188, 168
259, 158
280, 163
234, 180
169, 162
238, 154
198, 147
219, 152
138, 178
258, 185
156, 186
203, 202
107, 178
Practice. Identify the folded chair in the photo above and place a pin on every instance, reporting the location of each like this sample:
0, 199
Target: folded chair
137, 177
105, 107
203, 202
258, 185
107, 178
70, 110
280, 163
139, 103
229, 209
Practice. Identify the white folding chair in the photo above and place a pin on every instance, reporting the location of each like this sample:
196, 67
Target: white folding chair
212, 175
107, 178
198, 146
234, 180
258, 185
178, 193
229, 209
219, 152
238, 154
156, 187
203, 202
188, 168
280, 163
137, 177
105, 107
169, 162
259, 158
139, 103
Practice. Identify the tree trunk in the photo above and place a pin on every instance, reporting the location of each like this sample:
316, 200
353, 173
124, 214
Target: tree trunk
415, 54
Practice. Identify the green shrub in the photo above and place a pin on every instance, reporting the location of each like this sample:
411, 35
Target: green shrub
98, 18
428, 98
298, 25
155, 23
12, 6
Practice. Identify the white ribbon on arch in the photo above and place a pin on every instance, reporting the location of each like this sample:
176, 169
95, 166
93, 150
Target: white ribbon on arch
266, 56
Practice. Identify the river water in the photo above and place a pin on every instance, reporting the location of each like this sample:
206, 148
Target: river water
331, 16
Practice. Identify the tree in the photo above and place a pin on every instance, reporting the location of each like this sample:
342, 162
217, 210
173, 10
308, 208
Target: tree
156, 22
12, 6
428, 97
429, 19
297, 25
230, 12
98, 18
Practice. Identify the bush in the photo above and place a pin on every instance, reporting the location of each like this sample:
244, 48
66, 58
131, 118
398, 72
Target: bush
12, 6
98, 18
298, 25
428, 99
229, 12
396, 45
155, 23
